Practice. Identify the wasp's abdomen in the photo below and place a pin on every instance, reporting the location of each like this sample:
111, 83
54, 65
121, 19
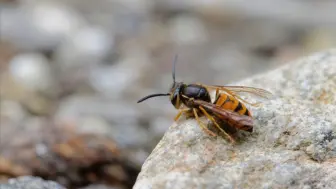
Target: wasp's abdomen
228, 102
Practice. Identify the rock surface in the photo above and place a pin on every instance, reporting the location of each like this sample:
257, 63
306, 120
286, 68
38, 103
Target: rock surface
293, 144
28, 182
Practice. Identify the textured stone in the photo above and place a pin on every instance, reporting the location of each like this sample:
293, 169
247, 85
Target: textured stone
28, 182
292, 146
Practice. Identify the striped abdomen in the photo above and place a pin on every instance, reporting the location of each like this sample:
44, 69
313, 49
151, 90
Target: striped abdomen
228, 102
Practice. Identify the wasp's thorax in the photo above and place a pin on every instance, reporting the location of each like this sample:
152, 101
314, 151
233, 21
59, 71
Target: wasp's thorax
180, 93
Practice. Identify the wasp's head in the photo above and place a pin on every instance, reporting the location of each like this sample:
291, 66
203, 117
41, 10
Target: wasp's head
175, 94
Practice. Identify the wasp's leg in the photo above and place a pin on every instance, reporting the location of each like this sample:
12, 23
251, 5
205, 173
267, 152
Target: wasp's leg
216, 124
201, 124
180, 113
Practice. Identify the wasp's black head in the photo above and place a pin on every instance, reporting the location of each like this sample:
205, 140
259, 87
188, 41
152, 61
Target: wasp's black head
175, 94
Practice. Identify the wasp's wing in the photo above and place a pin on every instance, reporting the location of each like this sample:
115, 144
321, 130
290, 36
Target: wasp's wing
233, 90
237, 89
234, 119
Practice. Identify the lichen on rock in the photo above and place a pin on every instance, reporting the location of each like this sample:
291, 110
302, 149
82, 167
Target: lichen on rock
293, 144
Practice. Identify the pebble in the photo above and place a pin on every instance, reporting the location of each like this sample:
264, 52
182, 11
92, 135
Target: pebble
12, 110
94, 125
36, 26
87, 46
32, 70
29, 182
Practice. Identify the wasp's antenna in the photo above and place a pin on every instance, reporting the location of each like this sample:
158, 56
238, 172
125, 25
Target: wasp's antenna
153, 95
174, 64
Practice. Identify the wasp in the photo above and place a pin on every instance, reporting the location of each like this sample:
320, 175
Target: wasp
228, 106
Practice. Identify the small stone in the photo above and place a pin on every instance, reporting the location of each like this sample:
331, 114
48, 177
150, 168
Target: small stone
101, 186
32, 71
29, 182
94, 125
12, 110
39, 25
38, 104
86, 46
112, 81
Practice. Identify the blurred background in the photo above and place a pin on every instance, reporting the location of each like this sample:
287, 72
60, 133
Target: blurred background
71, 72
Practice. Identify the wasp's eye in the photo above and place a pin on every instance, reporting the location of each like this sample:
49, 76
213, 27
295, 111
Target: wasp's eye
173, 98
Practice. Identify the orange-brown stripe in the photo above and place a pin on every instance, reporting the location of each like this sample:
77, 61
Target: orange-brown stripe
231, 105
222, 99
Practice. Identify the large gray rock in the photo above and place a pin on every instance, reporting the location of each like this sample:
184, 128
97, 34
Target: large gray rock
29, 182
293, 144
